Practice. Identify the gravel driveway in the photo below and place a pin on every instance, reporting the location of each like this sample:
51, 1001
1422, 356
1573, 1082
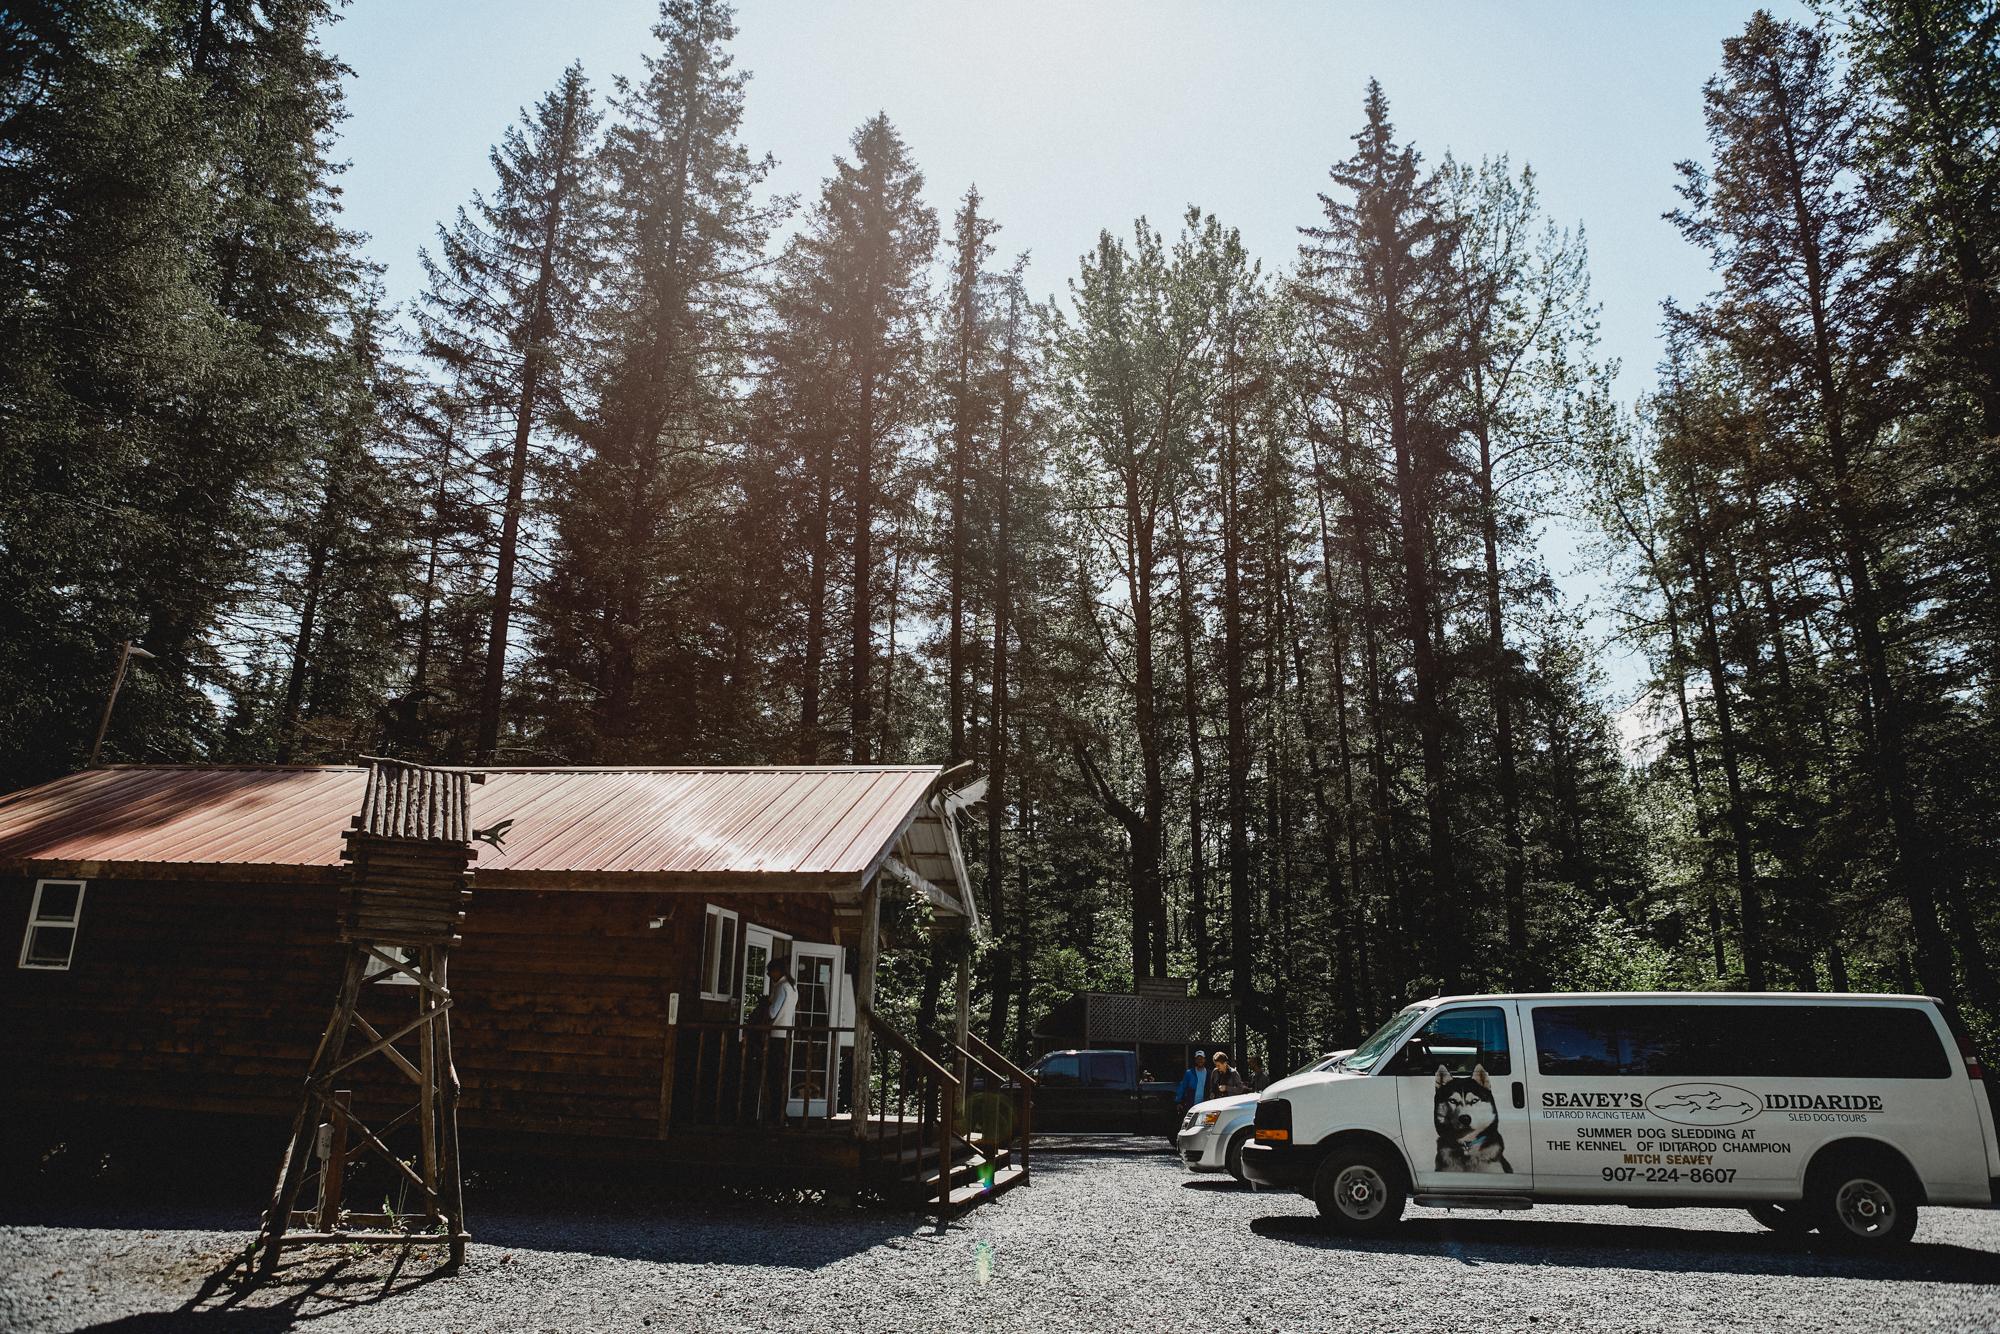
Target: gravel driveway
1111, 1235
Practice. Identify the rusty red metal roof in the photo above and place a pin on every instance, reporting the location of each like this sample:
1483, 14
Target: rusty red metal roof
570, 826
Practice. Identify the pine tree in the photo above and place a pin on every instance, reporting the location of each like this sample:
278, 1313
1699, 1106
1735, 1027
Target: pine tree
628, 647
1382, 272
172, 285
968, 388
503, 309
1804, 312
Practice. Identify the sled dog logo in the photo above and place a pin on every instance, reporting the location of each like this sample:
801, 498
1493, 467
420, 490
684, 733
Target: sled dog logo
1468, 1124
1703, 1104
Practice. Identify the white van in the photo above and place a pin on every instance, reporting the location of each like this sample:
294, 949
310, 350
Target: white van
1841, 1112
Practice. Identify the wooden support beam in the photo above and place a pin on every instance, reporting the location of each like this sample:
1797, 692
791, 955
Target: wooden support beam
333, 1171
938, 898
864, 998
396, 1058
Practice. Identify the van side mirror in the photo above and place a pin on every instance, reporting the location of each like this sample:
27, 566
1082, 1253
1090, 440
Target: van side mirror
1415, 1058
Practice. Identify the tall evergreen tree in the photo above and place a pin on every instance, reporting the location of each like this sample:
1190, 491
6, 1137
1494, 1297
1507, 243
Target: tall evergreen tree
1804, 311
629, 609
1382, 269
505, 300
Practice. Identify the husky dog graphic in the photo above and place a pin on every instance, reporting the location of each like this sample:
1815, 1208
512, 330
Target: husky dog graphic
1468, 1124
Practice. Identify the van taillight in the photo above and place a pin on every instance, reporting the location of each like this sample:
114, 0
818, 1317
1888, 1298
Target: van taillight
1971, 1055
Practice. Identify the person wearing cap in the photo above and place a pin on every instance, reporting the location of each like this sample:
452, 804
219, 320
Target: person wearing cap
1194, 1082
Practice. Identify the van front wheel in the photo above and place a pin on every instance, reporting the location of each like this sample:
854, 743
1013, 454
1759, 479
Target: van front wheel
1359, 1191
1865, 1205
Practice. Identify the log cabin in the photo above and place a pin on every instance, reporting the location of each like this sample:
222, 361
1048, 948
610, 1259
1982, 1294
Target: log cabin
178, 955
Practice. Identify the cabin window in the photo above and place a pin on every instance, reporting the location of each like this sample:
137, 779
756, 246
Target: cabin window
52, 919
382, 975
718, 953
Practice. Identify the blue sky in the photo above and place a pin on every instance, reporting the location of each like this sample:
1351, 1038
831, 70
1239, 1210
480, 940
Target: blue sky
1072, 117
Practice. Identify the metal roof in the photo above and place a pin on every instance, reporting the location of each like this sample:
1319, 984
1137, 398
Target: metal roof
772, 827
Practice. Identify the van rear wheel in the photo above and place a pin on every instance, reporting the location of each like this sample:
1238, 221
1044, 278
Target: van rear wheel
1792, 1219
1359, 1191
1864, 1203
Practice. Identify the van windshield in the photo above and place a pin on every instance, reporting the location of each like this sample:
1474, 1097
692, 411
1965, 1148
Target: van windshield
1383, 1038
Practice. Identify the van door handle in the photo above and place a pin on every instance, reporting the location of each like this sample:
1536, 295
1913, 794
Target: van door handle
1520, 1094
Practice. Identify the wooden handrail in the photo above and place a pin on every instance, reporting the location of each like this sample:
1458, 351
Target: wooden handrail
726, 1026
992, 1053
1022, 1088
973, 1059
909, 1050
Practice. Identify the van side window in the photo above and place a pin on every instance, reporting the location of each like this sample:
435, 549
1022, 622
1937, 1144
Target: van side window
1060, 1072
1104, 1070
1462, 1039
1746, 1041
1573, 1040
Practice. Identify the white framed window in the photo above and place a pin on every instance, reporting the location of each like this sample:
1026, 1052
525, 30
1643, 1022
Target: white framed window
52, 919
377, 969
719, 928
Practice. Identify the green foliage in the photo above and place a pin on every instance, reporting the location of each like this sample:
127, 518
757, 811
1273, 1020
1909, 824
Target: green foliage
1227, 578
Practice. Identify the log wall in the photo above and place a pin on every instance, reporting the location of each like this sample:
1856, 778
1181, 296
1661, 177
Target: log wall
208, 998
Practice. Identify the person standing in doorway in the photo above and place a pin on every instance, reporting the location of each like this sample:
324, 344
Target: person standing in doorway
772, 1022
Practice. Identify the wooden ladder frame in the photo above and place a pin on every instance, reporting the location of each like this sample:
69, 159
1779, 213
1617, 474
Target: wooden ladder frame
326, 1125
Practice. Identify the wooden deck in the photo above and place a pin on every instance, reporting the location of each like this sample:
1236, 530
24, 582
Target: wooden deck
922, 1138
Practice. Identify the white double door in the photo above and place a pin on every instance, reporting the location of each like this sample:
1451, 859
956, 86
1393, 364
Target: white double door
826, 1002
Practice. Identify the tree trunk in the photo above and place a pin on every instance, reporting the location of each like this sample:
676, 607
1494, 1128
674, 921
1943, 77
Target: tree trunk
1197, 766
1750, 922
861, 702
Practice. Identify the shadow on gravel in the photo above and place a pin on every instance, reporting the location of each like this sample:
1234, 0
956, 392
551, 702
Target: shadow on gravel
1057, 1153
1228, 1185
308, 1285
767, 1237
1474, 1241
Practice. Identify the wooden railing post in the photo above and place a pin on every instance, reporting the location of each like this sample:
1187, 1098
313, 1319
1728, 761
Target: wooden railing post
962, 1020
1024, 1096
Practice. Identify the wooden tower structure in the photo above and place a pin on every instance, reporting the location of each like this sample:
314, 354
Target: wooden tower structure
409, 853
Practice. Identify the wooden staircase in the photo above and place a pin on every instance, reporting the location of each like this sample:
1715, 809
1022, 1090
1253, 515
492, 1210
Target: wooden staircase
973, 1132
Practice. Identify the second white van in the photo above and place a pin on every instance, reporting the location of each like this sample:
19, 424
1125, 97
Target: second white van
1844, 1113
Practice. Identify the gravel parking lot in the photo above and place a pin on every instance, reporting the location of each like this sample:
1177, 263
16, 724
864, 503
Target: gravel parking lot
1111, 1235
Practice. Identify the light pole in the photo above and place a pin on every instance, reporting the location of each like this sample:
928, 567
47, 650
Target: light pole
126, 652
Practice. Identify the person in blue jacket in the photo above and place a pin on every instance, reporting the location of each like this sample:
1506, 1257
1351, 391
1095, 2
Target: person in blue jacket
1194, 1082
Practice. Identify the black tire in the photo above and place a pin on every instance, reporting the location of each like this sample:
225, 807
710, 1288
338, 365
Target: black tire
1232, 1157
1360, 1191
1790, 1219
1863, 1202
